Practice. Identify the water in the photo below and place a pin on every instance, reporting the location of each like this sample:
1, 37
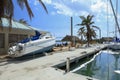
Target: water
102, 67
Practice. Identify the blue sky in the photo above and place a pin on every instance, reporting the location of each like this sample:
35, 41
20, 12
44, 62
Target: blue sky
57, 21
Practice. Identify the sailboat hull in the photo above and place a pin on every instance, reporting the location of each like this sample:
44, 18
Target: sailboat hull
115, 46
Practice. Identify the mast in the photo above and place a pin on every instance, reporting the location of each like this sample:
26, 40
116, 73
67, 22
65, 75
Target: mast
116, 20
107, 22
116, 15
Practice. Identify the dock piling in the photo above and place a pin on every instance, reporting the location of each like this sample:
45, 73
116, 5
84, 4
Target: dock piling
68, 65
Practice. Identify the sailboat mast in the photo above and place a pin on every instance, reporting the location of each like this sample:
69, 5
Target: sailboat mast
116, 20
107, 22
116, 15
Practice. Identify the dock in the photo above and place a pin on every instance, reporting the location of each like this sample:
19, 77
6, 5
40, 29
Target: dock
43, 68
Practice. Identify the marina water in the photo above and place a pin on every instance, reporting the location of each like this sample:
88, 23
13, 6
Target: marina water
103, 66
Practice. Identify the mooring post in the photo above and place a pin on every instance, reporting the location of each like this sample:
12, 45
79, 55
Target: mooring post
68, 65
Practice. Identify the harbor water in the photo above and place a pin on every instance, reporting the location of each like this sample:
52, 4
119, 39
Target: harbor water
103, 66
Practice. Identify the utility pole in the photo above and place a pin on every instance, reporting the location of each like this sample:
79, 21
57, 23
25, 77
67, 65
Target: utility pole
72, 31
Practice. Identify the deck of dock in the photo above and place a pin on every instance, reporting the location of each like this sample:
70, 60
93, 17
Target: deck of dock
42, 68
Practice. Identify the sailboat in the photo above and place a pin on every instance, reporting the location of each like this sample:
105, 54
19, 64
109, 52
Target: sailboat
36, 44
115, 45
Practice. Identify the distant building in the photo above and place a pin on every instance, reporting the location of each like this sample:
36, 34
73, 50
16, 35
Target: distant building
73, 39
107, 39
8, 37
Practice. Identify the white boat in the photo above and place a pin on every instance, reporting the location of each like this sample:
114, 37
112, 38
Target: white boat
117, 71
115, 45
36, 44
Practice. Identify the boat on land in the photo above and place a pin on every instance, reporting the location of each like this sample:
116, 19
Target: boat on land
39, 43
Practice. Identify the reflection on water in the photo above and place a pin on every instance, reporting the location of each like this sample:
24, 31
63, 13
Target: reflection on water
103, 67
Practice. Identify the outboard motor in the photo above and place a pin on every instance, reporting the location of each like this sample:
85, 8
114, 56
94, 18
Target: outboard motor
14, 50
19, 47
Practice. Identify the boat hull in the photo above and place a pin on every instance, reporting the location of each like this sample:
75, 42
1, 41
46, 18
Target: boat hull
115, 46
33, 47
40, 51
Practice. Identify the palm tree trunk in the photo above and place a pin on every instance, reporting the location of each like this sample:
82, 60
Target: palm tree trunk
88, 36
81, 40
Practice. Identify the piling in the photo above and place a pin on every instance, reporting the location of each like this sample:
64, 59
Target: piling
68, 65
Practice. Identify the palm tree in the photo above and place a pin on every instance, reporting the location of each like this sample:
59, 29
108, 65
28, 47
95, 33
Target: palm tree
81, 32
87, 23
7, 8
23, 21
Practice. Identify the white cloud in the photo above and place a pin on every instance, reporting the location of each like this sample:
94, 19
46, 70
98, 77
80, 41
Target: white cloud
47, 1
69, 7
82, 7
63, 9
79, 7
98, 7
76, 7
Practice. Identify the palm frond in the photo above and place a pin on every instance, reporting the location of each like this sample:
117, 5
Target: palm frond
91, 23
95, 27
6, 10
28, 9
1, 12
21, 3
82, 17
23, 21
83, 23
91, 17
11, 10
43, 5
88, 17
82, 28
78, 25
93, 33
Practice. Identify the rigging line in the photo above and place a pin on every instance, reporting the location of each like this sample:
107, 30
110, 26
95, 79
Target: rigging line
115, 16
107, 21
116, 7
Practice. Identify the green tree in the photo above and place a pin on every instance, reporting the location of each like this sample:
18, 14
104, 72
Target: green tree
88, 26
81, 33
23, 21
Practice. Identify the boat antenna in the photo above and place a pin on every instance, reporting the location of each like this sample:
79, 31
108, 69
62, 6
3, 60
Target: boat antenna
116, 20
